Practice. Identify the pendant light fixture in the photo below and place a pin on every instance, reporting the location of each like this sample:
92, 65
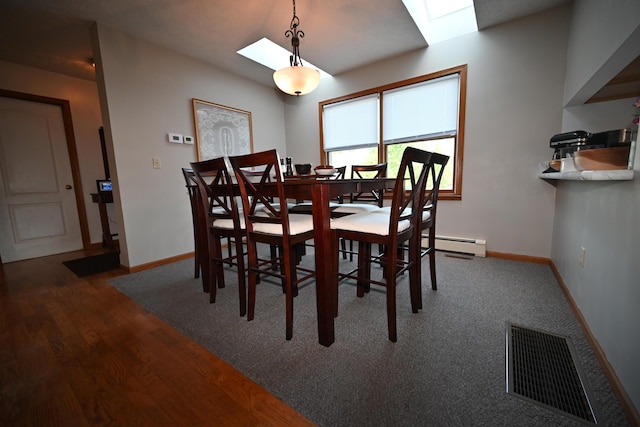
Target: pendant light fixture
296, 79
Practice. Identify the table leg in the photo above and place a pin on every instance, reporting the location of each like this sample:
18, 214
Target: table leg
326, 275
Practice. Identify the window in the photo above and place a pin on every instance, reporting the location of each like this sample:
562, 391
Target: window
376, 125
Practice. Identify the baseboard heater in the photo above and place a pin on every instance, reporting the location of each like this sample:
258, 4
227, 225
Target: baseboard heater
462, 245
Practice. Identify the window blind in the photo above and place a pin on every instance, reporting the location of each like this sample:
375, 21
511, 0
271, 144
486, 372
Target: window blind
351, 124
421, 111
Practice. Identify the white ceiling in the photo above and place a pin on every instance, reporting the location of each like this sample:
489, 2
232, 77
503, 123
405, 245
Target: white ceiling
340, 34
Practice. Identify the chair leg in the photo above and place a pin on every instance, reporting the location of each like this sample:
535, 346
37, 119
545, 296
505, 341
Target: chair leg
196, 258
343, 246
274, 254
415, 275
350, 250
290, 277
253, 279
209, 273
391, 301
335, 259
203, 254
364, 268
215, 270
242, 293
220, 269
432, 259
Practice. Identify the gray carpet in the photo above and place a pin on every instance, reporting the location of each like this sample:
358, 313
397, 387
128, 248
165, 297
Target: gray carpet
447, 368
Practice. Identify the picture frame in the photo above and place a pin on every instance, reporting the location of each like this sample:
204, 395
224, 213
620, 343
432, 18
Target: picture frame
221, 131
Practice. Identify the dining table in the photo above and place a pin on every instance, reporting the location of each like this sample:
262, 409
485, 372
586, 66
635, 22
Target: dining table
321, 191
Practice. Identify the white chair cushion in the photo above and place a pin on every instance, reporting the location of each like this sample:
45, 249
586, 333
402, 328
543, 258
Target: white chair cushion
387, 211
307, 207
275, 206
355, 208
227, 224
218, 210
298, 224
371, 223
309, 204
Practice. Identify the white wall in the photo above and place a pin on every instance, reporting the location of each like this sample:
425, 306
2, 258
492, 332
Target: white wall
147, 92
514, 106
603, 217
85, 113
604, 39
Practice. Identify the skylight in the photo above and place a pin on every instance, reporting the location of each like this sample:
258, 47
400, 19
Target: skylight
437, 20
269, 54
440, 20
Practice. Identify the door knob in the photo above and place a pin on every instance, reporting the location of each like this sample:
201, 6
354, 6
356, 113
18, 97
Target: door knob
68, 187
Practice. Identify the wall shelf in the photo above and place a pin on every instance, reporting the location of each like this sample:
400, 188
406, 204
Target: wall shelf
592, 175
597, 175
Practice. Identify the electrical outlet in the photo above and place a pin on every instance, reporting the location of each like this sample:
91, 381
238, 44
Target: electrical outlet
583, 252
157, 164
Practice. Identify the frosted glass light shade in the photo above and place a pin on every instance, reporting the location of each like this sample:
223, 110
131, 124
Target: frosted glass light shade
297, 80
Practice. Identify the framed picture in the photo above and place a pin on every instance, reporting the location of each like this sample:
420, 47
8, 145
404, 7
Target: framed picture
221, 131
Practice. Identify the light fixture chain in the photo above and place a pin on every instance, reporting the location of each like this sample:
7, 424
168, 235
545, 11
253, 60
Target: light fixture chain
295, 35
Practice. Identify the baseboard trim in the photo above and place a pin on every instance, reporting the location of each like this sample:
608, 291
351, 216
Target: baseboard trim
627, 405
157, 263
517, 257
633, 416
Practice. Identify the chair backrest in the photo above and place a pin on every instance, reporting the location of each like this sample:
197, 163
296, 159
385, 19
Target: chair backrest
194, 201
434, 176
409, 188
214, 183
254, 173
192, 188
369, 172
340, 172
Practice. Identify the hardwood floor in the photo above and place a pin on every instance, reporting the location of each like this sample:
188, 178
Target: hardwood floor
75, 352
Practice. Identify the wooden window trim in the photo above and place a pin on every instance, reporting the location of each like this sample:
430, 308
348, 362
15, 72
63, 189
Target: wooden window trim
456, 192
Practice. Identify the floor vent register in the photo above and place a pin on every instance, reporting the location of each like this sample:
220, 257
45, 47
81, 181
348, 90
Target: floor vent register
542, 368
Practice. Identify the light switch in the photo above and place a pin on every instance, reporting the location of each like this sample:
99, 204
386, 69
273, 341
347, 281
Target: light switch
157, 164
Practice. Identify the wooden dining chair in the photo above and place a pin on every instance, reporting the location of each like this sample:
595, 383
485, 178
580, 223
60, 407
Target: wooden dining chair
267, 223
192, 190
223, 221
305, 207
428, 203
363, 201
429, 208
368, 228
368, 172
340, 174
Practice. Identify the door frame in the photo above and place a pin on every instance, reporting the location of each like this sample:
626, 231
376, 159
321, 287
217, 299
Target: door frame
71, 150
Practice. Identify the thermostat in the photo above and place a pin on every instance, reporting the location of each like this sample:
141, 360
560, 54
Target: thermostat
176, 138
188, 139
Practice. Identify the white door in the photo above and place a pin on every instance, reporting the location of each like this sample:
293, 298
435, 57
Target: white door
38, 213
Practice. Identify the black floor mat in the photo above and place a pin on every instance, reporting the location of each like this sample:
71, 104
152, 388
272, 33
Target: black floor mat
543, 368
94, 264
